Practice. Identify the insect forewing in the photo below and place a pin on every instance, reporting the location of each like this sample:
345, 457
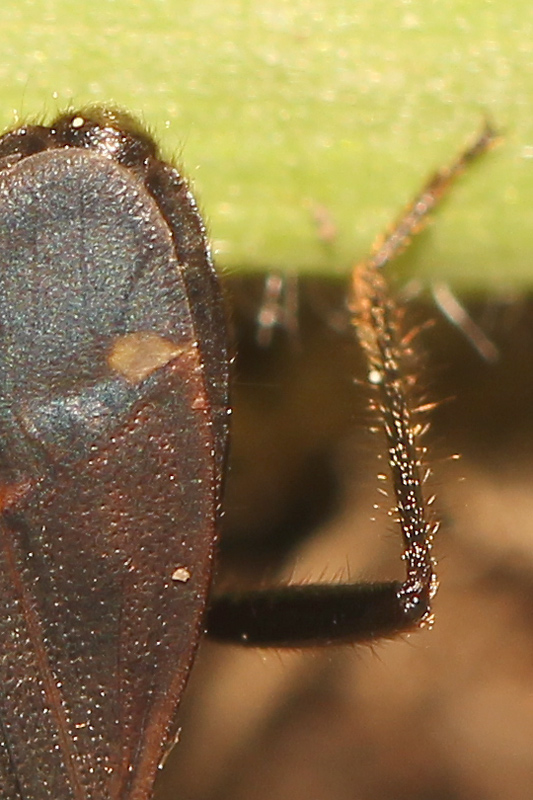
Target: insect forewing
111, 439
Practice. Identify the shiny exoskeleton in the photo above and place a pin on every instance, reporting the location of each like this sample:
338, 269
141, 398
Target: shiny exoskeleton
113, 421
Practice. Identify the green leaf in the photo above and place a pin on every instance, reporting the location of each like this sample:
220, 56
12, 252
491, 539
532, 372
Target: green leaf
306, 125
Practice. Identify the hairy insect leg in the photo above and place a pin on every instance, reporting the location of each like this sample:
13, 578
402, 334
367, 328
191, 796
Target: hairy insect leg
417, 214
310, 615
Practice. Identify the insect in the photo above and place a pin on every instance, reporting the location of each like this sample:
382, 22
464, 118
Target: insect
114, 420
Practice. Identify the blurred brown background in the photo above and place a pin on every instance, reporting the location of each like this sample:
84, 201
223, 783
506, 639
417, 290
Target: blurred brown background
446, 713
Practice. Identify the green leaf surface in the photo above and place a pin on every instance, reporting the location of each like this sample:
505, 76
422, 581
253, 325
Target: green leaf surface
306, 125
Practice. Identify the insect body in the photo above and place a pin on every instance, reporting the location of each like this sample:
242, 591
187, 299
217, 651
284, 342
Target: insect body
113, 427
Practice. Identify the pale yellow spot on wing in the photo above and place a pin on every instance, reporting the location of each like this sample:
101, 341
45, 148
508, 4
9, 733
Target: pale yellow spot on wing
136, 355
